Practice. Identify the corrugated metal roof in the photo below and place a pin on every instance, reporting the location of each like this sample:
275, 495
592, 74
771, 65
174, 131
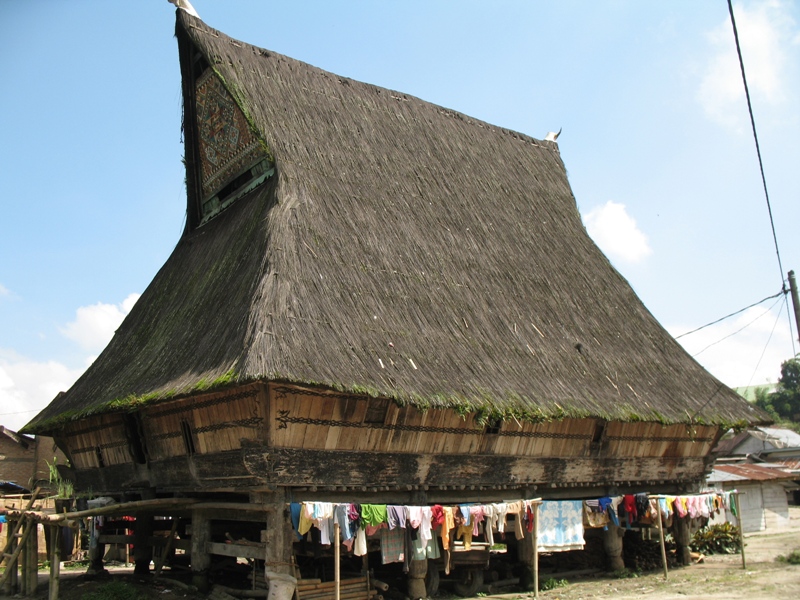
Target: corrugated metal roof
749, 472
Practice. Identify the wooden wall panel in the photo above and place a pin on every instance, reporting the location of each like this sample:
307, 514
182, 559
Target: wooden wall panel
98, 441
653, 439
216, 422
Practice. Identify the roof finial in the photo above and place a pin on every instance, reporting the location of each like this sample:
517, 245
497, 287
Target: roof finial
550, 137
185, 5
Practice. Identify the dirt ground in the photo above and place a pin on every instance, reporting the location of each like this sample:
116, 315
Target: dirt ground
717, 577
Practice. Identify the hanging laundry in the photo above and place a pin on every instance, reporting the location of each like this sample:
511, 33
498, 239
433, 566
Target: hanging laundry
360, 546
561, 526
448, 524
340, 517
593, 515
421, 550
477, 517
517, 509
500, 510
491, 523
396, 516
373, 514
306, 518
393, 545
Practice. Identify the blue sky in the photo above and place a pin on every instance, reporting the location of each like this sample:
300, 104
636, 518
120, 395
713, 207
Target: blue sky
656, 140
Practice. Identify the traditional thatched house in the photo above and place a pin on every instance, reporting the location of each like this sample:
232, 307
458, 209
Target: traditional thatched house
376, 297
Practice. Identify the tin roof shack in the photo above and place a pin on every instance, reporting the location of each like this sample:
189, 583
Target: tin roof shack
377, 298
763, 493
756, 440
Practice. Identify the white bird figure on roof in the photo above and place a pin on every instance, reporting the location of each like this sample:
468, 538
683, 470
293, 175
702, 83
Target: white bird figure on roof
552, 136
185, 5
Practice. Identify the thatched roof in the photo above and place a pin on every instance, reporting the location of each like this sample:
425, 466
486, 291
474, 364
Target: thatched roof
403, 250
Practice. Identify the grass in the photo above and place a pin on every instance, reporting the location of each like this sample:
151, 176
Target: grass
793, 558
552, 584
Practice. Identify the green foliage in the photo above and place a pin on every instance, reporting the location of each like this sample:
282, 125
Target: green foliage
793, 558
115, 590
717, 539
626, 573
783, 403
552, 584
64, 487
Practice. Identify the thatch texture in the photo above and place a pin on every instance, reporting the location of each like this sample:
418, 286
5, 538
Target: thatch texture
402, 250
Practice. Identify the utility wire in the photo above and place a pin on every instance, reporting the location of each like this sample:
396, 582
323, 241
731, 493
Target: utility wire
764, 351
741, 310
735, 332
22, 412
755, 137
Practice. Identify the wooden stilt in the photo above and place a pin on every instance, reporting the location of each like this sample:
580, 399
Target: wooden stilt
167, 548
142, 548
201, 559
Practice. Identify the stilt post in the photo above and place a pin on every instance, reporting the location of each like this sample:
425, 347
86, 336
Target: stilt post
201, 559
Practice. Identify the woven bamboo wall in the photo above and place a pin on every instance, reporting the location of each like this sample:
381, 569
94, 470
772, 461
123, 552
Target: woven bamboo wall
97, 441
313, 420
214, 422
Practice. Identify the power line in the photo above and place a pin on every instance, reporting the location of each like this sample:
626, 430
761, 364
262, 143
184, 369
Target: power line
764, 351
741, 310
735, 332
755, 137
22, 412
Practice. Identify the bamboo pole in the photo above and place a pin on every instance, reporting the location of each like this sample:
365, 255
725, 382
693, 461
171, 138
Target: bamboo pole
11, 564
336, 560
661, 539
24, 560
121, 509
55, 561
735, 497
536, 549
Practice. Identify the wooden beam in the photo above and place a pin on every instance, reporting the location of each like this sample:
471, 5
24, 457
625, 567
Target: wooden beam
123, 508
237, 550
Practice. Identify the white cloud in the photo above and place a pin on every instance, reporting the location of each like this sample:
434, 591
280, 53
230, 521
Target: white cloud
27, 386
94, 325
765, 31
759, 342
616, 232
4, 290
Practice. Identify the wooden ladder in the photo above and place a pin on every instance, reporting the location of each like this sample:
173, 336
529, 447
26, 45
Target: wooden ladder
16, 535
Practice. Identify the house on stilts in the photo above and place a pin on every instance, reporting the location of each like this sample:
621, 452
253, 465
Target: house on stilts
375, 300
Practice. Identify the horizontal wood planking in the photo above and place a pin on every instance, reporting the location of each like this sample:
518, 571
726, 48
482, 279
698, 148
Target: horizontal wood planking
304, 418
305, 467
654, 439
